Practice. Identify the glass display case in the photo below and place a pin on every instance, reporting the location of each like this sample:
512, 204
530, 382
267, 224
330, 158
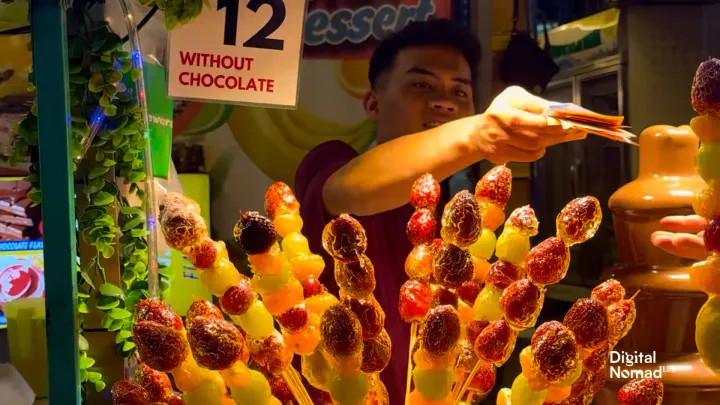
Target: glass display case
596, 166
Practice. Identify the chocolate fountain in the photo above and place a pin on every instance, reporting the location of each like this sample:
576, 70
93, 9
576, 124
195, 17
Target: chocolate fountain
667, 303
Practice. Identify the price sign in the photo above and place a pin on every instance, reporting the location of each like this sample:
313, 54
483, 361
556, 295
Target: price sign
239, 51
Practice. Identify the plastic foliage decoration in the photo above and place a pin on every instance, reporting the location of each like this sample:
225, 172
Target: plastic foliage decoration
98, 68
177, 12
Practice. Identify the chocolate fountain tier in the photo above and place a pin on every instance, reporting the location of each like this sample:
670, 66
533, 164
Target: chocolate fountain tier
667, 304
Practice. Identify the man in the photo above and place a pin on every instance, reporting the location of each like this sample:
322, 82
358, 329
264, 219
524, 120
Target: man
421, 101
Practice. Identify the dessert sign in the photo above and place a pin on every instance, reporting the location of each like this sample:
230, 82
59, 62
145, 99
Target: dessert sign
240, 52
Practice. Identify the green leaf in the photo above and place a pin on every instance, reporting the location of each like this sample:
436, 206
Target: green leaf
102, 198
83, 375
128, 345
96, 83
104, 220
110, 111
35, 196
100, 66
128, 210
108, 251
94, 185
132, 223
128, 276
106, 321
96, 172
166, 271
125, 65
78, 78
116, 325
139, 285
112, 76
82, 308
87, 279
82, 295
83, 343
111, 290
135, 176
135, 74
117, 139
86, 362
94, 377
107, 303
99, 386
120, 313
122, 335
138, 233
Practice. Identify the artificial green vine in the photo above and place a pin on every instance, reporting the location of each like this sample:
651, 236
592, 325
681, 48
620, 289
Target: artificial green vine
98, 96
177, 12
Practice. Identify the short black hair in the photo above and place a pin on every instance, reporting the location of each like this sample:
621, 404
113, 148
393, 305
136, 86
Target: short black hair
441, 32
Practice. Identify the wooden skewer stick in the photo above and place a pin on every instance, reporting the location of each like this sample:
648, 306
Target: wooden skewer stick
466, 384
294, 382
413, 338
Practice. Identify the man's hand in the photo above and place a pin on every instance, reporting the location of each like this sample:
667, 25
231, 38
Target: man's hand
513, 129
684, 238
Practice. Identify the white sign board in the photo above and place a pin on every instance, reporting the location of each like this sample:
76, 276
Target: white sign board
239, 52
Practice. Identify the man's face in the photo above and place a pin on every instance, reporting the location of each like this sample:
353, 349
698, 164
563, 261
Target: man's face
427, 86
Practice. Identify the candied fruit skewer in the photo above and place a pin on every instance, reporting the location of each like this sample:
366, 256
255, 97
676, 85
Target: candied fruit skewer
705, 275
149, 386
641, 391
162, 343
415, 294
461, 226
567, 361
284, 210
353, 334
217, 273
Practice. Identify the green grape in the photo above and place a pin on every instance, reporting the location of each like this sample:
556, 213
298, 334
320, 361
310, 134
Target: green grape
294, 245
523, 394
257, 321
255, 392
487, 305
315, 369
434, 385
708, 161
485, 245
351, 389
707, 330
512, 246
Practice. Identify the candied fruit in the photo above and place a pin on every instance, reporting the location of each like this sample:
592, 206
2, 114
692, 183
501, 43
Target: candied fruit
512, 246
279, 199
156, 383
376, 353
521, 303
548, 262
521, 393
712, 236
284, 299
646, 391
502, 274
469, 291
344, 239
492, 216
271, 352
238, 298
216, 344
487, 304
182, 229
349, 389
579, 220
535, 378
598, 358
706, 202
481, 268
318, 304
608, 292
305, 341
588, 320
524, 221
474, 328
254, 233
425, 192
496, 342
341, 331
175, 201
706, 161
312, 286
204, 255
369, 313
269, 263
256, 321
705, 275
441, 331
202, 308
421, 227
306, 266
419, 262
555, 352
287, 224
295, 245
294, 319
415, 300
281, 390
621, 316
705, 93
452, 266
495, 186
357, 279
467, 359
484, 247
433, 385
129, 393
484, 379
443, 296
461, 220
157, 311
160, 347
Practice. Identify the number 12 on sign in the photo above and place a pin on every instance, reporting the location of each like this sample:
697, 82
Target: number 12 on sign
261, 38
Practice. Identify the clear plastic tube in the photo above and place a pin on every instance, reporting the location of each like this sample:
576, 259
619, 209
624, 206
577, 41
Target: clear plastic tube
150, 206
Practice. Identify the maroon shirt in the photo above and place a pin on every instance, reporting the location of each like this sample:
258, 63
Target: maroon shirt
388, 247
